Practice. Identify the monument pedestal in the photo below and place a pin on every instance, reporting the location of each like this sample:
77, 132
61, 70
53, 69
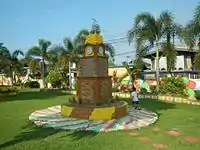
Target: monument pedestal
94, 90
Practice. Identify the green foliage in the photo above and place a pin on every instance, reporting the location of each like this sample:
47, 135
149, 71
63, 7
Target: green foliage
143, 91
153, 89
115, 89
111, 62
173, 85
197, 95
32, 84
7, 89
53, 76
170, 53
75, 85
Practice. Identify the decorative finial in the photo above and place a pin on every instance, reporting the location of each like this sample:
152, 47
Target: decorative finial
95, 27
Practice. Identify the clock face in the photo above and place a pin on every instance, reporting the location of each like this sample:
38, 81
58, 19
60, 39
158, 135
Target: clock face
100, 50
88, 50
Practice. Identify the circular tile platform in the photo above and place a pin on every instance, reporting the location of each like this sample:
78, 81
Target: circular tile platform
51, 118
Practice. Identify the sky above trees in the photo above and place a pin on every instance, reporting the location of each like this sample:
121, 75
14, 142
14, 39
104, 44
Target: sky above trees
24, 22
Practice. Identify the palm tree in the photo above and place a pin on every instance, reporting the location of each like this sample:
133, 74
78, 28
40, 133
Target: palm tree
9, 61
15, 65
63, 56
130, 71
4, 52
42, 51
4, 57
148, 32
170, 30
149, 29
191, 35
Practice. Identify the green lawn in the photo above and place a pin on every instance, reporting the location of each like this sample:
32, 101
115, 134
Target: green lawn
17, 133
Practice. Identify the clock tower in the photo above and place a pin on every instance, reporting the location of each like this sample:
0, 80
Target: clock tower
93, 83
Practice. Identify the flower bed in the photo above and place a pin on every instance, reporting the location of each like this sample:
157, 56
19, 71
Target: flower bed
7, 91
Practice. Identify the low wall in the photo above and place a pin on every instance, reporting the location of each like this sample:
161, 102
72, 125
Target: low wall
161, 97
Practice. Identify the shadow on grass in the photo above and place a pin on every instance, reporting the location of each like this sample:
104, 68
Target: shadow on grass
32, 95
32, 132
153, 105
77, 135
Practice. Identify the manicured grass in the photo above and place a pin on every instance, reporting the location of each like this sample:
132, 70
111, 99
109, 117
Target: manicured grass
17, 133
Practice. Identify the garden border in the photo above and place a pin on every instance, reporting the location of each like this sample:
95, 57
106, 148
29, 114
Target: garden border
163, 98
170, 99
158, 97
8, 94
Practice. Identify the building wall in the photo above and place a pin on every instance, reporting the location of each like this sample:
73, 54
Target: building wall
180, 63
120, 71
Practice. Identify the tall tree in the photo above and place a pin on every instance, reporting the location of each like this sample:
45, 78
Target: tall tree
191, 35
170, 30
63, 56
9, 61
5, 56
149, 29
42, 51
15, 64
148, 33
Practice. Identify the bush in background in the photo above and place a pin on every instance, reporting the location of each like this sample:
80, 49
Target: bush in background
7, 89
32, 84
54, 77
173, 86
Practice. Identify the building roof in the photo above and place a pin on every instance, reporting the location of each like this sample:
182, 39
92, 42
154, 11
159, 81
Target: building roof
179, 48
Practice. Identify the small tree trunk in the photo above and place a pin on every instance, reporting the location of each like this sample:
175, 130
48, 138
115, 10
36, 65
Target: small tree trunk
157, 65
43, 78
70, 78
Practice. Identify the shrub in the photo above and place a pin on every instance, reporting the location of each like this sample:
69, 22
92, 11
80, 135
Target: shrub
197, 95
54, 77
115, 89
7, 89
143, 91
32, 84
173, 85
153, 89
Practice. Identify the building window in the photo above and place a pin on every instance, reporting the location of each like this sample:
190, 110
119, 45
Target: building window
180, 68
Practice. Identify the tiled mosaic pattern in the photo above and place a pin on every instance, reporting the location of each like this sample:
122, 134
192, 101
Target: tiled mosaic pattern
51, 118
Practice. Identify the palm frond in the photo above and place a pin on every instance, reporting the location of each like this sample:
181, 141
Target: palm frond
167, 19
44, 45
110, 49
170, 53
197, 13
55, 51
122, 77
4, 52
68, 44
81, 36
188, 35
126, 65
33, 64
197, 60
16, 53
34, 51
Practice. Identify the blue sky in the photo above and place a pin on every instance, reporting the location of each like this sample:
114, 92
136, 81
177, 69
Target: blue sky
23, 22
